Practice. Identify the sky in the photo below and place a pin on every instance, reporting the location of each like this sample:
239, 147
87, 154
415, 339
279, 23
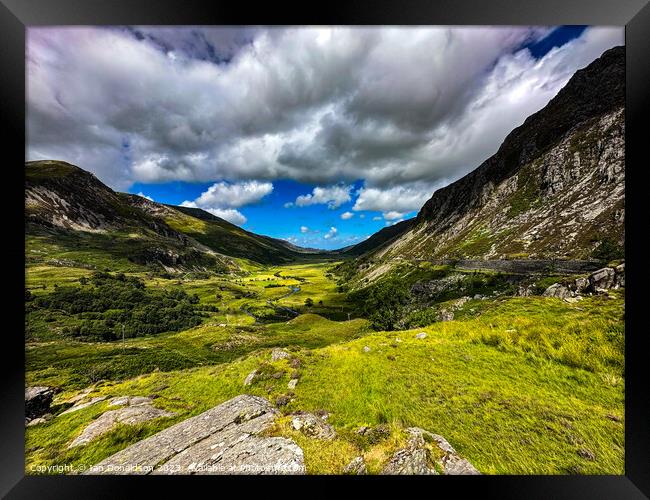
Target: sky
317, 135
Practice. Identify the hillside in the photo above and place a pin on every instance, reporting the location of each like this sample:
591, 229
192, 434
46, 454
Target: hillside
555, 189
379, 238
218, 235
71, 217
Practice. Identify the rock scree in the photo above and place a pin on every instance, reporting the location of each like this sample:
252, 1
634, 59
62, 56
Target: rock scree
223, 440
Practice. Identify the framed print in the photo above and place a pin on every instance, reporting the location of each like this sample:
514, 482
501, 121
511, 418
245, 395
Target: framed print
386, 243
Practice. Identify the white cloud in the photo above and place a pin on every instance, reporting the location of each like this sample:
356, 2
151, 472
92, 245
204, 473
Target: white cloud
221, 198
331, 233
145, 196
377, 218
304, 229
392, 215
404, 198
229, 214
347, 215
332, 196
393, 106
362, 216
223, 194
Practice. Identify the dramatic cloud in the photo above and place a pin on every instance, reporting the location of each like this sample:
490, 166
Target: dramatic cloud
223, 194
221, 197
405, 110
333, 197
347, 215
405, 198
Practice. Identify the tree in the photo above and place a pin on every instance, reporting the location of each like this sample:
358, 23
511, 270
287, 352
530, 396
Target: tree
383, 303
309, 302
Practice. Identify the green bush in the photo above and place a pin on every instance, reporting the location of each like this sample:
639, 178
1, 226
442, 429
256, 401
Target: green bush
382, 303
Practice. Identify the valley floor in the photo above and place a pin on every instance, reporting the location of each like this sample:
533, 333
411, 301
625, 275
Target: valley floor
518, 385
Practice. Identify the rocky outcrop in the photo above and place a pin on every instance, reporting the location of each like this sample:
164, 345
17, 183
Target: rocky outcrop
554, 191
278, 354
130, 401
428, 454
81, 404
557, 290
226, 439
603, 279
37, 402
313, 426
141, 411
607, 278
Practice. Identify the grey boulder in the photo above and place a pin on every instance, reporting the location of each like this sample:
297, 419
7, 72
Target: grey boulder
226, 439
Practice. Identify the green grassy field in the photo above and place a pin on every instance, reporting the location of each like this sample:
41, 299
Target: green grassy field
517, 385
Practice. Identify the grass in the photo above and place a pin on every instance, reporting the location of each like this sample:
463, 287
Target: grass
516, 385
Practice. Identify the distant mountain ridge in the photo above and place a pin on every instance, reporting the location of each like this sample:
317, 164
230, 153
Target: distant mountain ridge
71, 208
554, 189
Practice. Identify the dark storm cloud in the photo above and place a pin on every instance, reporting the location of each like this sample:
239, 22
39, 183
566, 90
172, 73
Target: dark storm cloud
404, 109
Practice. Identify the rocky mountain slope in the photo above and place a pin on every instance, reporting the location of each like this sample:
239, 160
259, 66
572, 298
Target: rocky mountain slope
73, 212
555, 189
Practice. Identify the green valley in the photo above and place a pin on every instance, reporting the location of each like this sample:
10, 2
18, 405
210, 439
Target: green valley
509, 383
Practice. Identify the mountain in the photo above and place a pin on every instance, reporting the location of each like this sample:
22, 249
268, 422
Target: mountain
379, 238
218, 235
72, 217
554, 189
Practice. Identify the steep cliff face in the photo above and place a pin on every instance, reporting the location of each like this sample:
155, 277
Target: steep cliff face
554, 189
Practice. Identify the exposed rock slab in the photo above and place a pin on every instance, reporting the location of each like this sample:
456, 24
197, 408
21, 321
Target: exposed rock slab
129, 415
130, 401
223, 440
80, 405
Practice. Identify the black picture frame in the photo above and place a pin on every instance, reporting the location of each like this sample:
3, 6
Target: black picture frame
16, 15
